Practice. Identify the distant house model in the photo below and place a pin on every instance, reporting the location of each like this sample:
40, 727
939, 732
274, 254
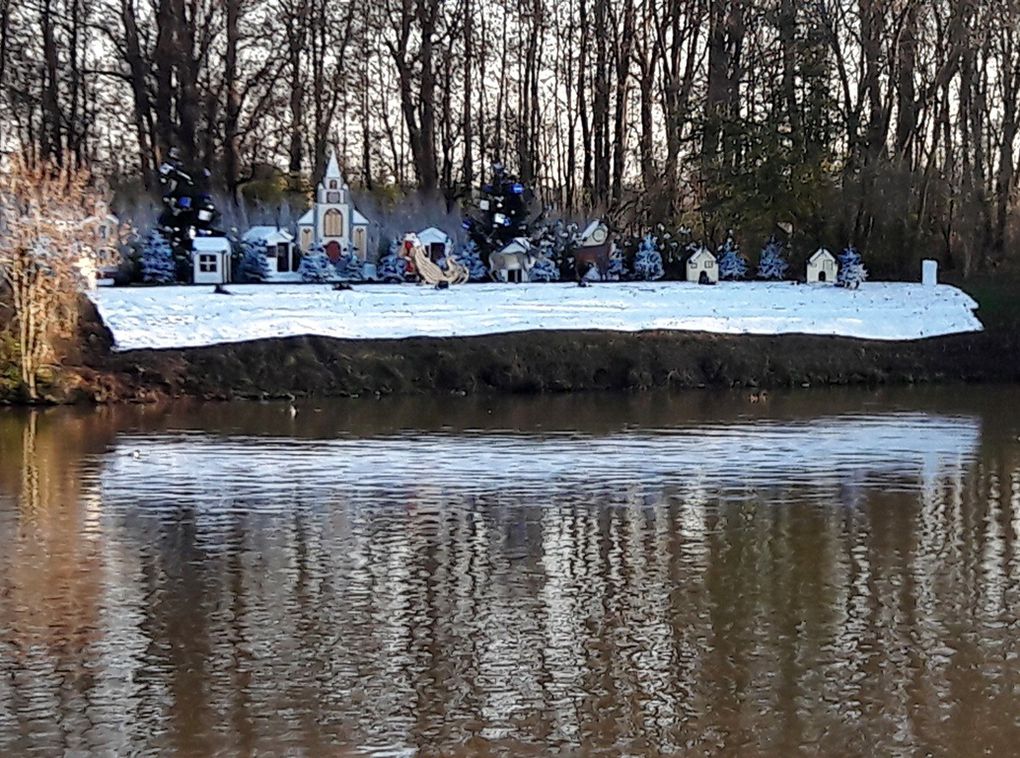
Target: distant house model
333, 221
822, 267
702, 267
210, 259
436, 242
513, 262
281, 252
594, 249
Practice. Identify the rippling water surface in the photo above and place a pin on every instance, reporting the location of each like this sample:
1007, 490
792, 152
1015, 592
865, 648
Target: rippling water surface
835, 573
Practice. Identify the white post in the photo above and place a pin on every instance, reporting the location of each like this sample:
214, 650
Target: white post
929, 273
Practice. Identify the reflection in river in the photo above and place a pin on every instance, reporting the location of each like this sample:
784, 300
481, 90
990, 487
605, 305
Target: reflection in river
837, 572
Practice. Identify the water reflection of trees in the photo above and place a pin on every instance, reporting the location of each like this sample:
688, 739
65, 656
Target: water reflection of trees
669, 617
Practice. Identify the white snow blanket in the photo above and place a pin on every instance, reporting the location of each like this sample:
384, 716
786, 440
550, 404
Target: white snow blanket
168, 317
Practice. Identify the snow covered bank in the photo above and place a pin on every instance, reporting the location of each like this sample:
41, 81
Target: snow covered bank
170, 317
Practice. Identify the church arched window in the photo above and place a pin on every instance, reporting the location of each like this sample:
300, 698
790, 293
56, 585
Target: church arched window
332, 183
333, 224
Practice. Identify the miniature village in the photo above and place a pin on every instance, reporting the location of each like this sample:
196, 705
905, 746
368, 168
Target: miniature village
503, 240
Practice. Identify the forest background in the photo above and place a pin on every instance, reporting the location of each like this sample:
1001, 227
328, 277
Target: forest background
892, 125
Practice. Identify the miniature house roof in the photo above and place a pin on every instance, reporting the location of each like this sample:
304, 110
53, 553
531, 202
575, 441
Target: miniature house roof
517, 245
210, 245
271, 235
821, 255
595, 233
433, 236
702, 254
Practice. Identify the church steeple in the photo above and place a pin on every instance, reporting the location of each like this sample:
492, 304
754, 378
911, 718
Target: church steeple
333, 189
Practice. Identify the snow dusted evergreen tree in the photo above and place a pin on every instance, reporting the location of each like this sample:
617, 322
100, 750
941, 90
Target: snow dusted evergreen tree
315, 265
392, 267
254, 265
648, 261
157, 263
772, 265
469, 256
544, 270
349, 267
851, 269
732, 265
617, 267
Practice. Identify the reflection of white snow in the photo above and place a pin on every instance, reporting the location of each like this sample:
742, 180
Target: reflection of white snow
895, 450
157, 317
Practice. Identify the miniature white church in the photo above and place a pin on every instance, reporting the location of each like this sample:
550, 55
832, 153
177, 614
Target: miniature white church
333, 221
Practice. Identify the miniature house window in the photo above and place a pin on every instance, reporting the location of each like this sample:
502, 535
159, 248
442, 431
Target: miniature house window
283, 257
207, 263
333, 224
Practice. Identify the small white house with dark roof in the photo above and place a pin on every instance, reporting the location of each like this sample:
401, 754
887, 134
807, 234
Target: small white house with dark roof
333, 221
702, 267
822, 267
281, 252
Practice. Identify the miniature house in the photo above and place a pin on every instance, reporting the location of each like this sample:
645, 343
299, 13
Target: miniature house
822, 268
513, 263
281, 252
210, 259
436, 242
702, 267
333, 221
594, 250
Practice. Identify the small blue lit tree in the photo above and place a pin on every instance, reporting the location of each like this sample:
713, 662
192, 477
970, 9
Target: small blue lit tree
773, 265
349, 267
392, 267
254, 264
157, 263
544, 270
470, 257
732, 264
648, 261
852, 273
315, 265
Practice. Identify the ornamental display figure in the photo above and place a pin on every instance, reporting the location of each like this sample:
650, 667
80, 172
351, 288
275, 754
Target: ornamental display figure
503, 213
189, 210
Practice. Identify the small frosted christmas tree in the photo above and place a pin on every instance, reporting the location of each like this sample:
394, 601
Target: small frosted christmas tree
348, 267
157, 263
254, 265
851, 269
470, 257
544, 270
617, 268
648, 261
393, 267
772, 265
732, 265
315, 266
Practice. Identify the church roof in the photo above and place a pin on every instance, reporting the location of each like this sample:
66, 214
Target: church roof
308, 219
358, 219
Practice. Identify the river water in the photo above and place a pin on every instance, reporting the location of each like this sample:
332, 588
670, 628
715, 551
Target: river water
831, 572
